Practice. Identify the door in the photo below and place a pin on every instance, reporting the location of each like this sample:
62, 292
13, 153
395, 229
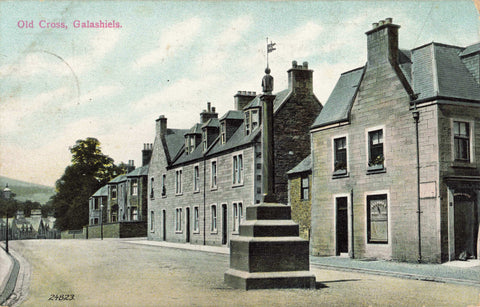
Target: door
187, 226
164, 225
342, 225
224, 224
466, 226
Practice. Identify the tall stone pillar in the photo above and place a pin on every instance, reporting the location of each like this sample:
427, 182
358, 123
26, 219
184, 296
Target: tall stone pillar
268, 252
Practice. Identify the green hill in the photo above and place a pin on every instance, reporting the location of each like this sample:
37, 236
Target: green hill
28, 191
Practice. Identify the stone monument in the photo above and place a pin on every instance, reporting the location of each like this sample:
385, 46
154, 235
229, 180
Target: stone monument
268, 252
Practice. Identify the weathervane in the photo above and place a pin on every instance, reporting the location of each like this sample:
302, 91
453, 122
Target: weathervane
270, 48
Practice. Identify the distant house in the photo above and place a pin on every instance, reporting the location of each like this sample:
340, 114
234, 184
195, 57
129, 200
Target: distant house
202, 178
124, 200
33, 227
96, 203
396, 152
300, 195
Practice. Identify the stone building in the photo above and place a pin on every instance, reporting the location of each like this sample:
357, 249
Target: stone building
95, 203
396, 153
201, 179
124, 200
300, 195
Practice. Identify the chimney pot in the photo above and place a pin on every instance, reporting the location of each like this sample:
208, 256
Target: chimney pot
305, 64
209, 105
374, 25
388, 20
381, 22
294, 64
213, 109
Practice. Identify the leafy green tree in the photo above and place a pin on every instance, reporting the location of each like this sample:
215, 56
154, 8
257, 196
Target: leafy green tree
90, 170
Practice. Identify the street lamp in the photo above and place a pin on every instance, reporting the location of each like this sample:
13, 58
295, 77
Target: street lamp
101, 221
6, 195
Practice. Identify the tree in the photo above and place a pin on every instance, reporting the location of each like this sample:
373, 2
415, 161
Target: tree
89, 171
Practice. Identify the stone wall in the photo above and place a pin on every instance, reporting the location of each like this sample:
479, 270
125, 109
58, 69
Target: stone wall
301, 209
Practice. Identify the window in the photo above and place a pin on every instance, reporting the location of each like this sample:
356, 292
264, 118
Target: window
255, 119
237, 216
213, 226
196, 178
340, 154
152, 195
377, 218
192, 142
375, 148
178, 219
134, 216
187, 145
178, 182
214, 174
196, 220
164, 185
461, 140
152, 221
113, 192
134, 187
247, 122
304, 188
95, 203
223, 132
95, 221
237, 171
205, 140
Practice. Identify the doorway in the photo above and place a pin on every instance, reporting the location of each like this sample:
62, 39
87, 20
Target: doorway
466, 226
187, 226
224, 224
342, 225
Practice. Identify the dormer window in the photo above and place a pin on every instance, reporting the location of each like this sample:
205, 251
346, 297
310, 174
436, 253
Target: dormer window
247, 123
187, 145
223, 132
192, 143
204, 140
252, 120
255, 119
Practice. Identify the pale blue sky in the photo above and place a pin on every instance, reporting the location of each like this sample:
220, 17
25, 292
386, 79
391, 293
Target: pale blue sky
171, 57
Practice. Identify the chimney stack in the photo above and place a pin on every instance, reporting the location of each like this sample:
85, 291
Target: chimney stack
208, 113
242, 99
300, 78
147, 153
161, 125
382, 43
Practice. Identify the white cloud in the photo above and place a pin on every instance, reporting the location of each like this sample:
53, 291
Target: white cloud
14, 110
172, 39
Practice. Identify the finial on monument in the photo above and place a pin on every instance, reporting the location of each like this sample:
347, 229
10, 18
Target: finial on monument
267, 81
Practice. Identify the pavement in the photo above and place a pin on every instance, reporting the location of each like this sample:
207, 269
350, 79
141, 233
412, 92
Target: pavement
457, 272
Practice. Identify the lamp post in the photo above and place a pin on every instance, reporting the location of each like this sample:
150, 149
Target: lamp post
101, 221
6, 195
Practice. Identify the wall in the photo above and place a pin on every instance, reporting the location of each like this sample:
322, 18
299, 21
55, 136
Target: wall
301, 209
381, 102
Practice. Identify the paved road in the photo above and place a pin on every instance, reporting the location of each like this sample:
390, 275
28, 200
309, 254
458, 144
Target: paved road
118, 273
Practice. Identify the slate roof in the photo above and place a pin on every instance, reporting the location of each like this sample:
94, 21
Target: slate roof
433, 71
302, 167
119, 178
439, 71
337, 108
175, 140
140, 171
280, 98
211, 123
233, 114
103, 191
470, 50
196, 129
